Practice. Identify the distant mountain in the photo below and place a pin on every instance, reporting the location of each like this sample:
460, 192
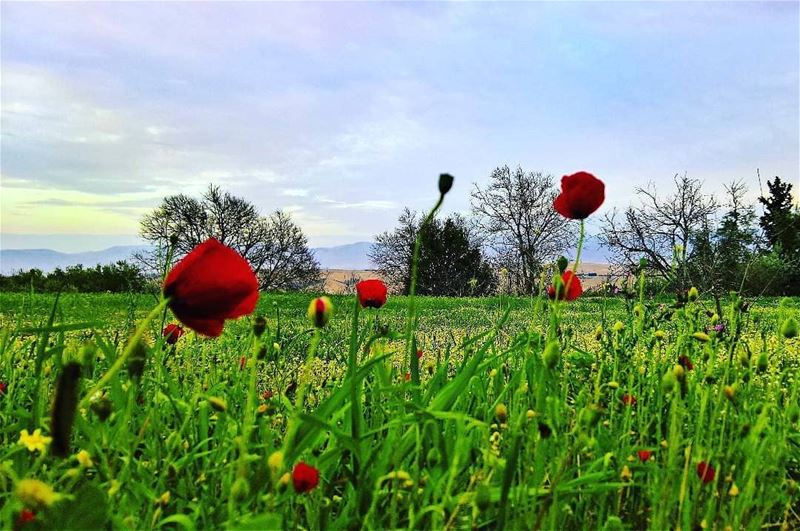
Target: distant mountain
47, 260
350, 256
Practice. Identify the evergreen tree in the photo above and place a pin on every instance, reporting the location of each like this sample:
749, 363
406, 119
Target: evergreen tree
780, 221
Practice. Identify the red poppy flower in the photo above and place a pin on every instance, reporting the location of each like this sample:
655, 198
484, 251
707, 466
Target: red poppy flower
629, 400
685, 362
242, 362
408, 377
267, 395
644, 455
419, 354
581, 194
212, 283
705, 472
172, 333
572, 285
25, 517
3, 388
304, 477
371, 293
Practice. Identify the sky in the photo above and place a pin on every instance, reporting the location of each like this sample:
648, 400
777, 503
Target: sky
344, 113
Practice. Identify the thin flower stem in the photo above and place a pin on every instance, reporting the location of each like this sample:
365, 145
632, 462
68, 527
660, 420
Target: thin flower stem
129, 348
412, 288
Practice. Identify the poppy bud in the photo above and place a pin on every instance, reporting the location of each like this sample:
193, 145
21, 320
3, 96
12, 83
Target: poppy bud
445, 183
545, 431
483, 497
562, 263
590, 415
730, 392
64, 406
668, 382
762, 362
102, 407
552, 354
217, 404
618, 327
789, 328
501, 412
692, 294
644, 455
137, 360
319, 311
598, 333
701, 337
259, 325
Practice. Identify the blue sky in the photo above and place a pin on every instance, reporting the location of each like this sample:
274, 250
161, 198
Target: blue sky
344, 113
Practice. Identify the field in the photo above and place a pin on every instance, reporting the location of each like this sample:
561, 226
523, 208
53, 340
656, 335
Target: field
602, 413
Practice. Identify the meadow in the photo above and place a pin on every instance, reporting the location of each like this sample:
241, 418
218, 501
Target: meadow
602, 413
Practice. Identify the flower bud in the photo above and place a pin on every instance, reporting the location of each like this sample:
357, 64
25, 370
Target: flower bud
501, 412
217, 404
259, 326
701, 337
692, 294
483, 497
660, 335
445, 183
762, 363
552, 354
789, 328
562, 263
275, 462
102, 407
319, 311
618, 327
668, 382
730, 392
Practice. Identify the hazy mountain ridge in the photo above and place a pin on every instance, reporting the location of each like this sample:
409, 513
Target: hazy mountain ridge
352, 256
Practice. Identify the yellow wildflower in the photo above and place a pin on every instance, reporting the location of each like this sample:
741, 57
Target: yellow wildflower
84, 459
275, 461
36, 494
35, 441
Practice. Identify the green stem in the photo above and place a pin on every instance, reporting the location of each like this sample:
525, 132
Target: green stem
129, 348
412, 288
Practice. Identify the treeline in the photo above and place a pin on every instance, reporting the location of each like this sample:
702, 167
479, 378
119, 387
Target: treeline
678, 238
115, 278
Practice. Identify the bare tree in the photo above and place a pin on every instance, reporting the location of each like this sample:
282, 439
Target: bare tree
659, 229
275, 247
515, 212
392, 251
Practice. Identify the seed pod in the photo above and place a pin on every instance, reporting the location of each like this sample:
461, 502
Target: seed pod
64, 406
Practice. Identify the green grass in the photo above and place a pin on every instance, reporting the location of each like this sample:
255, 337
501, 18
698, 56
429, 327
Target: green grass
433, 455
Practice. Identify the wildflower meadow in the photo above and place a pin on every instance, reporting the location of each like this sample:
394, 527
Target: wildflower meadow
215, 406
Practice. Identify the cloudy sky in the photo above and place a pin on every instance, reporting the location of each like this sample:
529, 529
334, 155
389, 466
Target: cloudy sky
343, 113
